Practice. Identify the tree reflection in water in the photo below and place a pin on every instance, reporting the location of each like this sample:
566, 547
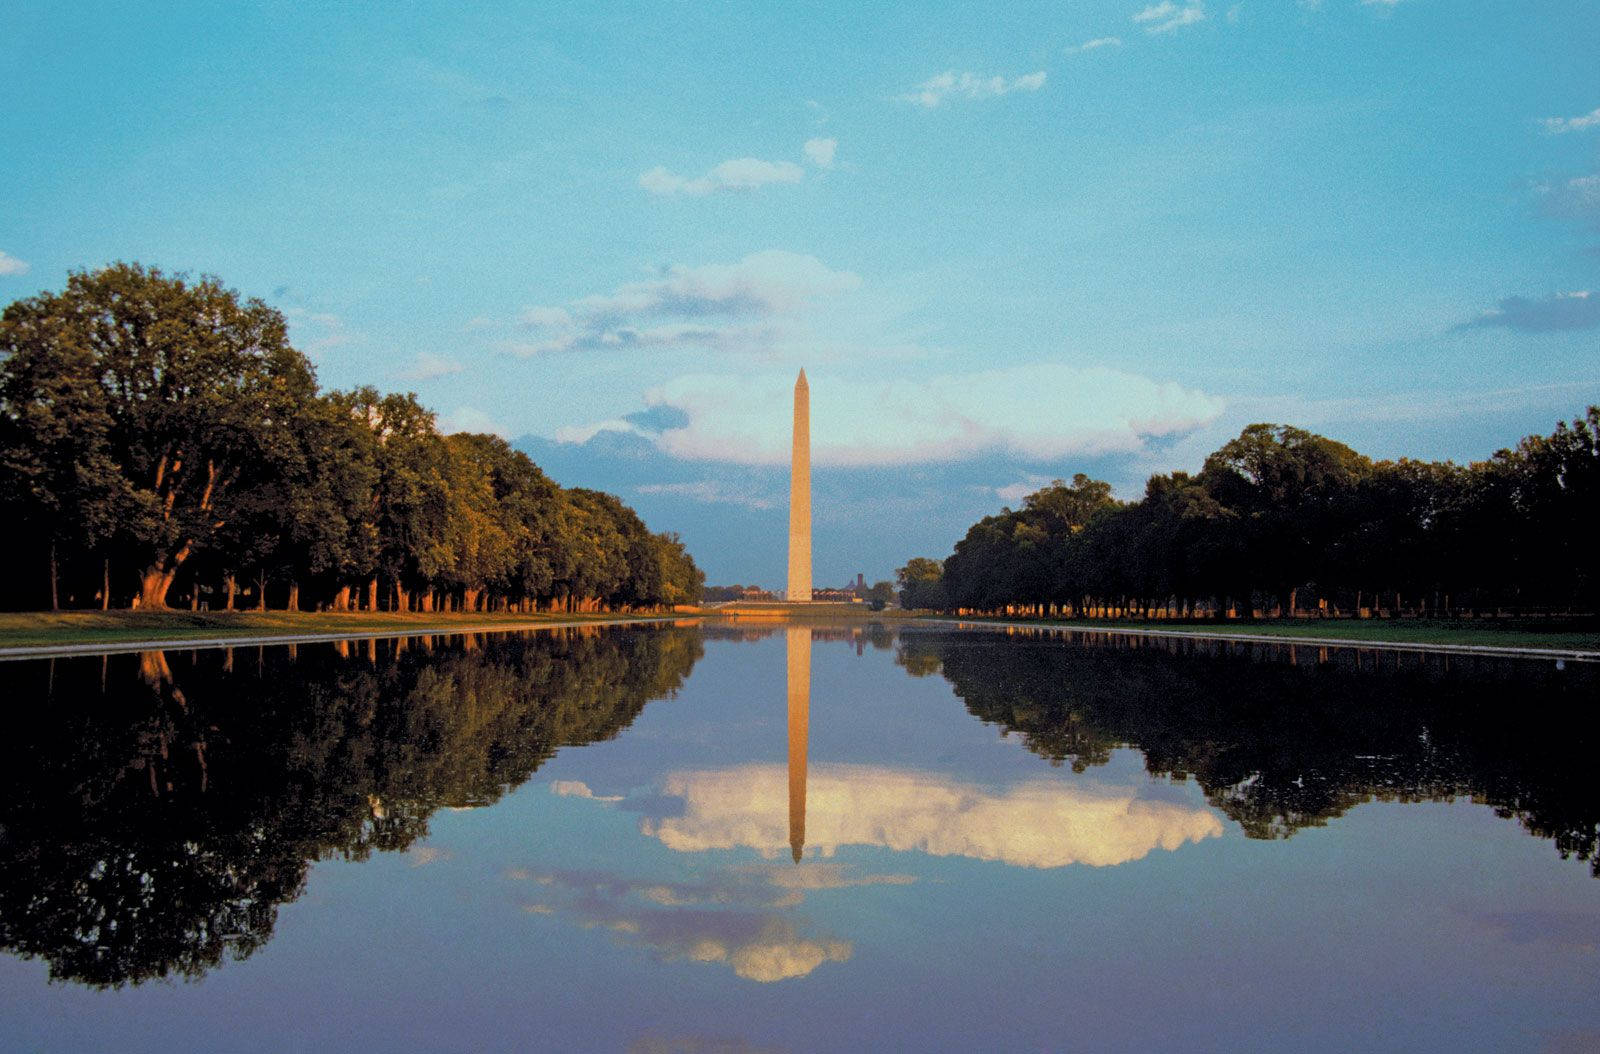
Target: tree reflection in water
160, 807
1283, 737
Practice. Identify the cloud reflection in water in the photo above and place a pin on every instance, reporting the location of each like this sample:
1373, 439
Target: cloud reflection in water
727, 919
1039, 823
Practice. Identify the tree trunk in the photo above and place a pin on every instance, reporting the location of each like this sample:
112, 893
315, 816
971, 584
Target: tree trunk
372, 594
105, 587
294, 597
55, 596
402, 599
427, 601
153, 586
261, 591
469, 599
341, 599
230, 589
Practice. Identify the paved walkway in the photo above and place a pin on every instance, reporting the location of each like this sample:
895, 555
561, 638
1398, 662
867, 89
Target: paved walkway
1502, 650
47, 651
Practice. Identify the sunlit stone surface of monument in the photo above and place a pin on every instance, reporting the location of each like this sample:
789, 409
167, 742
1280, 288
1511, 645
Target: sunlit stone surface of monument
800, 497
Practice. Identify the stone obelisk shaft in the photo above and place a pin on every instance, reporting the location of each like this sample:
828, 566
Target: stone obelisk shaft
799, 690
800, 497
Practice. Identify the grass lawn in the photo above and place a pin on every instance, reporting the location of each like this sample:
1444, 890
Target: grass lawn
1575, 634
31, 628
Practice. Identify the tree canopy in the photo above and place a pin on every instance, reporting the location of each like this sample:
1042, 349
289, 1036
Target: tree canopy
1283, 519
166, 429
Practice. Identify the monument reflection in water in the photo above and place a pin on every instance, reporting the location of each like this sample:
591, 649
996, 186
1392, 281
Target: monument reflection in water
798, 685
500, 840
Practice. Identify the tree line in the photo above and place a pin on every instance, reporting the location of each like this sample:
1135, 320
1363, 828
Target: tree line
1281, 520
161, 439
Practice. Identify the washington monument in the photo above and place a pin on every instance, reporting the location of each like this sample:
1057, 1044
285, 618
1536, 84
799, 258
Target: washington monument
800, 498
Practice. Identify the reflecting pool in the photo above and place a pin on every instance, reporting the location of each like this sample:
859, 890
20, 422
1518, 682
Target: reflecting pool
684, 838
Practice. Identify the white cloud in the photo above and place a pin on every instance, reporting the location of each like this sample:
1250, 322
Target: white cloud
689, 306
740, 174
471, 419
584, 433
1167, 16
951, 85
1097, 42
11, 265
726, 919
423, 855
1038, 824
428, 366
1558, 125
820, 151
578, 789
1013, 493
1041, 411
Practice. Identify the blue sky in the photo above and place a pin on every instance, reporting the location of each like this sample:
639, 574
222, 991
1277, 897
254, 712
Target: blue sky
614, 232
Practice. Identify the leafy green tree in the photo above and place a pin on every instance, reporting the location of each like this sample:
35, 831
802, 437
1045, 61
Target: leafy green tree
200, 396
921, 584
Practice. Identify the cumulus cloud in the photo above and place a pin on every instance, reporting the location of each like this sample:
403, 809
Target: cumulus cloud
1558, 125
423, 855
689, 306
1037, 824
710, 922
1040, 412
472, 419
820, 151
11, 265
936, 90
1559, 313
1168, 16
579, 789
740, 174
1013, 493
428, 366
1097, 42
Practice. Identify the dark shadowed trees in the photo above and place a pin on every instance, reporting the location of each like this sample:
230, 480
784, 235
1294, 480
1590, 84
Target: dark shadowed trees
1283, 519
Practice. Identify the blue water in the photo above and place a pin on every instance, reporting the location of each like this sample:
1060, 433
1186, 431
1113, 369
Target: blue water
584, 841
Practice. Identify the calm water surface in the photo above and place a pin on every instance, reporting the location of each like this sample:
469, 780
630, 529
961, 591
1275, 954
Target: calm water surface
799, 838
